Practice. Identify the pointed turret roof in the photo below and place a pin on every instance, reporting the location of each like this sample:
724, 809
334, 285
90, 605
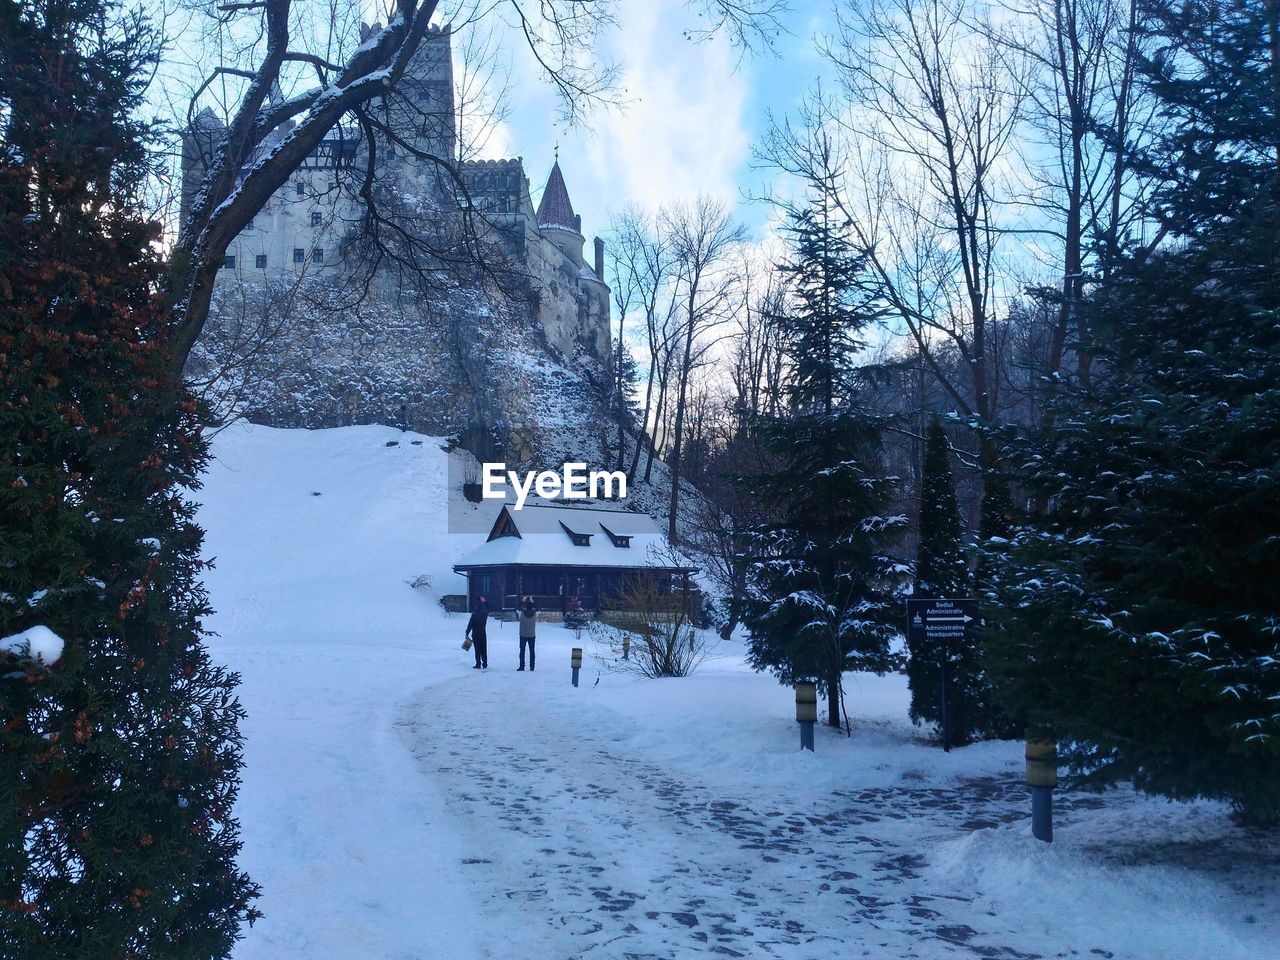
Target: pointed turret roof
555, 210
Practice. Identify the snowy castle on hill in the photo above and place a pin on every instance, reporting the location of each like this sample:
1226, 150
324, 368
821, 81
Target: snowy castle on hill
307, 227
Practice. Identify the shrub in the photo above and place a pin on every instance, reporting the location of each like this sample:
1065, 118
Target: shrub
664, 640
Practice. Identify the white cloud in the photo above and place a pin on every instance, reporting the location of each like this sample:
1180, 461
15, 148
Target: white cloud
683, 130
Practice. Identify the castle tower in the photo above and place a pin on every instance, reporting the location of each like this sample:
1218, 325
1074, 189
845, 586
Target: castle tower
421, 109
556, 219
199, 143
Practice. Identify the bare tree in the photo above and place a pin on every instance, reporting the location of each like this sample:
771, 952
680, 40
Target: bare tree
1083, 106
643, 276
704, 238
720, 518
482, 86
659, 611
240, 353
631, 287
757, 355
933, 106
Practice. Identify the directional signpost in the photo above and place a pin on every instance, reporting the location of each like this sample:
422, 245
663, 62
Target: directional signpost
941, 621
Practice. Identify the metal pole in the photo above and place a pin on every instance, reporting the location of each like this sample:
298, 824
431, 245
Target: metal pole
946, 725
806, 735
575, 661
1042, 813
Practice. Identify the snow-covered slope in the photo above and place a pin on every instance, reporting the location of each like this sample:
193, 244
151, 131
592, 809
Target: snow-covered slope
399, 805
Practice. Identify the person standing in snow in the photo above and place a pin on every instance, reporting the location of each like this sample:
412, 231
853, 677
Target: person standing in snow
528, 630
476, 627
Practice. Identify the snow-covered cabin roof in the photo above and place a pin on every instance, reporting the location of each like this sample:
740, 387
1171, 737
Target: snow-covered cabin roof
556, 536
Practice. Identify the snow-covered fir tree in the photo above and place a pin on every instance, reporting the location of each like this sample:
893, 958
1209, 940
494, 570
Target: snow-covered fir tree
820, 580
941, 567
1140, 624
942, 571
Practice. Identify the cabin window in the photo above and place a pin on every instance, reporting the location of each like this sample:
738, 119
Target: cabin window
540, 584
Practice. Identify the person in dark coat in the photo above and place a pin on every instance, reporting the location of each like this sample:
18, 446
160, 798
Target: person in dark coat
476, 631
528, 630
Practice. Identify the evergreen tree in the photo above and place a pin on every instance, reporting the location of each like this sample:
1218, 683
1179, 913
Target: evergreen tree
942, 571
622, 396
996, 523
1140, 624
120, 759
819, 583
996, 515
941, 568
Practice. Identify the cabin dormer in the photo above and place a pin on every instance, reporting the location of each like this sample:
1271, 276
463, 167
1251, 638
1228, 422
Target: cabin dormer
579, 539
618, 540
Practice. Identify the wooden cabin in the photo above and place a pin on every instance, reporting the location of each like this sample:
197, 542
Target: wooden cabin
557, 553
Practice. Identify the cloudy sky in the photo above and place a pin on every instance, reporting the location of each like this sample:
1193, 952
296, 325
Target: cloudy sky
691, 113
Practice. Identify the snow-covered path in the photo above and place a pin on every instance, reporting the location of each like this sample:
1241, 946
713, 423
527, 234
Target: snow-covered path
589, 851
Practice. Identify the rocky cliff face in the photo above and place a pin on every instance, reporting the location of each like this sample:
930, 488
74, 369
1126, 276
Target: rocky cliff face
461, 362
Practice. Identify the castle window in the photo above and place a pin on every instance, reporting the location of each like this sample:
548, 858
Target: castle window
316, 218
249, 225
260, 261
317, 254
228, 262
301, 188
299, 255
